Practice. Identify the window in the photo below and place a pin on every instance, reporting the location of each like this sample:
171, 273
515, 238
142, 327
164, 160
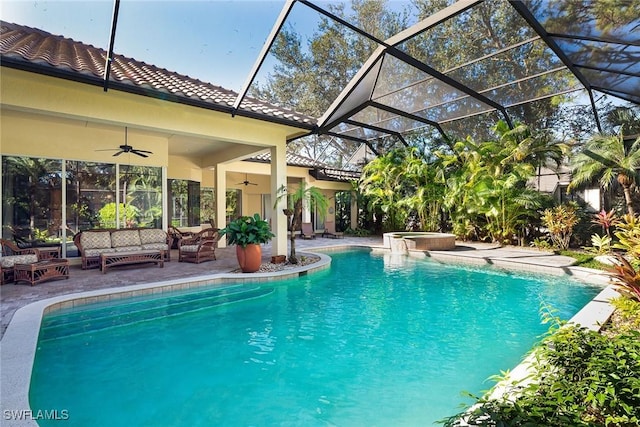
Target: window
208, 205
31, 200
184, 203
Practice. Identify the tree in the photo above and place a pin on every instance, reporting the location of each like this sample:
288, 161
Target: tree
297, 198
609, 158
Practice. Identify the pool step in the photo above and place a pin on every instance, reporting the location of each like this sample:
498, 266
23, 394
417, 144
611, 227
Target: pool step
134, 310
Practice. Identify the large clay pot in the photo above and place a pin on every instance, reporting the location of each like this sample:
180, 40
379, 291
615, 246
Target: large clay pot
249, 257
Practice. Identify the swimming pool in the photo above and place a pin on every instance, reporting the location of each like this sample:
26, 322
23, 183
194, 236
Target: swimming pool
375, 340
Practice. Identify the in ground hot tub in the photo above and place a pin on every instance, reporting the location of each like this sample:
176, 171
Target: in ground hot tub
420, 241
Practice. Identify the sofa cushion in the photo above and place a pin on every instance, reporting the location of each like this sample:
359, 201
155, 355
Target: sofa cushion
95, 240
96, 252
10, 260
121, 238
152, 235
155, 246
128, 248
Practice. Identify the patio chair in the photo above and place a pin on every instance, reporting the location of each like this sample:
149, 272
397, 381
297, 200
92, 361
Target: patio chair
177, 235
306, 231
199, 247
12, 255
330, 230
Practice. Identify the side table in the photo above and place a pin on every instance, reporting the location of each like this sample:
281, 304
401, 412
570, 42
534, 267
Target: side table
42, 271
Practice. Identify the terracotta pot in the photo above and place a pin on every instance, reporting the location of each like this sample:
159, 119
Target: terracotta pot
249, 257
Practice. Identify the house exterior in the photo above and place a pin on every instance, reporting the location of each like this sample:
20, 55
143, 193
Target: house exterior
68, 141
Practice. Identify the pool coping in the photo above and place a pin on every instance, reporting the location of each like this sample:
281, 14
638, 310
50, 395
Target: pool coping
18, 345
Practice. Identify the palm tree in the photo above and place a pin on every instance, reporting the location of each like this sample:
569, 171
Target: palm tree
296, 198
608, 158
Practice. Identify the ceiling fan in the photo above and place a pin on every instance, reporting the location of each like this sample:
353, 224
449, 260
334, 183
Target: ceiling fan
246, 181
126, 148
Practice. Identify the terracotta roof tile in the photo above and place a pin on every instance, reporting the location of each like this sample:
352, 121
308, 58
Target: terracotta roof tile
318, 170
21, 44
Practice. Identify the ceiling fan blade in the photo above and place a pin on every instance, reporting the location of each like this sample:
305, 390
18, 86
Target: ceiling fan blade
139, 153
118, 153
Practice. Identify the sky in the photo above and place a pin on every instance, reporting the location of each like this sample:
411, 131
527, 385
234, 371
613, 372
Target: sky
215, 41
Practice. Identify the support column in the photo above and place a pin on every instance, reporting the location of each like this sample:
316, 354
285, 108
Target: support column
354, 210
221, 200
279, 181
306, 210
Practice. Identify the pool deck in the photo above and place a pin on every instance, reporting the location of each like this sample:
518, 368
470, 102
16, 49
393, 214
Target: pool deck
22, 305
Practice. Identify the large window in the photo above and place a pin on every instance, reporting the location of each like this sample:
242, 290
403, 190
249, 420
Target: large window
31, 200
98, 195
91, 194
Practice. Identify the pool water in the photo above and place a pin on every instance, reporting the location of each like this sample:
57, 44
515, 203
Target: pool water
376, 340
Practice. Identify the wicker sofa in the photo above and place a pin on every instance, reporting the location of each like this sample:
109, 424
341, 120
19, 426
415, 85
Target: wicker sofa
92, 243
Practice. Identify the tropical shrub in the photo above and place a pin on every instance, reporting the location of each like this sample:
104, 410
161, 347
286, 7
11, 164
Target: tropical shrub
606, 220
581, 378
628, 234
626, 277
600, 245
247, 230
560, 221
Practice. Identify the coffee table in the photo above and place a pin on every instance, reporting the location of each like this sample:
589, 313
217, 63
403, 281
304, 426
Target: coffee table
42, 271
112, 259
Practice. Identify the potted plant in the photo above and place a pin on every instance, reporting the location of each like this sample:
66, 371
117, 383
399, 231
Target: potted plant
248, 233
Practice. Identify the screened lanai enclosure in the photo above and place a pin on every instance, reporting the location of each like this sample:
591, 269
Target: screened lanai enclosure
456, 68
377, 73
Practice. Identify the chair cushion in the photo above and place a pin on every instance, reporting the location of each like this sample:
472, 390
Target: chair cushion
95, 240
152, 235
155, 246
189, 248
121, 238
11, 260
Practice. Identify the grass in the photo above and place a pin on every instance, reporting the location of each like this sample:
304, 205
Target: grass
586, 260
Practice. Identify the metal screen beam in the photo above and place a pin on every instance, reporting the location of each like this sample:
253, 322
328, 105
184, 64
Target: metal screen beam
286, 9
112, 40
378, 129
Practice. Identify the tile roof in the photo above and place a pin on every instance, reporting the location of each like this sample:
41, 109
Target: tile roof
39, 51
318, 170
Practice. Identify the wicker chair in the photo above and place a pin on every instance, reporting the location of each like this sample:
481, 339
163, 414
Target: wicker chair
200, 247
12, 255
177, 235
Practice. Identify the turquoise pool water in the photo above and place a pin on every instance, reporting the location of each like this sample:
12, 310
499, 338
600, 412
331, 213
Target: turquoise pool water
374, 341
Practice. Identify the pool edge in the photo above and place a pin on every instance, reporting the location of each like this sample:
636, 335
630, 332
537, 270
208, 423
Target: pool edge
18, 345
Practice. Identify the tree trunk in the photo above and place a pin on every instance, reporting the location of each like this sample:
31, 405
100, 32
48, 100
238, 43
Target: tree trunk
627, 198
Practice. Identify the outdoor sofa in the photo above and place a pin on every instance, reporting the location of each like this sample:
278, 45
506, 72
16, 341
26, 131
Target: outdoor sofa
92, 243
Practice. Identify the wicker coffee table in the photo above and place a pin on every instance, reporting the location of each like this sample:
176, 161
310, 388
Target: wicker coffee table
41, 271
113, 259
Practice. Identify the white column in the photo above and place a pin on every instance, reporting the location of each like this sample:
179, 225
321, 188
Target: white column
354, 210
221, 200
278, 181
306, 212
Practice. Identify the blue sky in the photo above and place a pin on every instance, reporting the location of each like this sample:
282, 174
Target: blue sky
215, 41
